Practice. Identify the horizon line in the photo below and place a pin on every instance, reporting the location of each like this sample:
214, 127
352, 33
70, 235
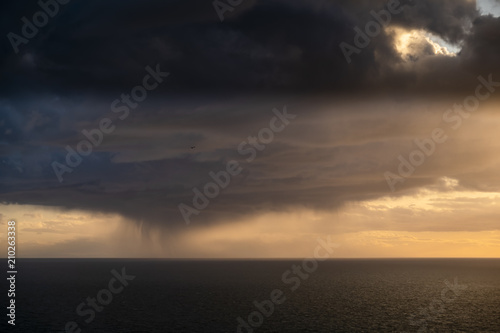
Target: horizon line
256, 258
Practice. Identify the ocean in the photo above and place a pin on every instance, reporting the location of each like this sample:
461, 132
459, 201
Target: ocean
343, 295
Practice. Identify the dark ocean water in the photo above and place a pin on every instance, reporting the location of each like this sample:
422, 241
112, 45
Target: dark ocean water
209, 296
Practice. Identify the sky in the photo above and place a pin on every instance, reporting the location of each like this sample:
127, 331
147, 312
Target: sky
156, 129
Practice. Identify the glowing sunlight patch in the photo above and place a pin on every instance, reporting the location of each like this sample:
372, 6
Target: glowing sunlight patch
414, 44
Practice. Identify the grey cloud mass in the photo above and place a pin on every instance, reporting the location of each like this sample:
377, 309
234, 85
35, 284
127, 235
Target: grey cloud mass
352, 119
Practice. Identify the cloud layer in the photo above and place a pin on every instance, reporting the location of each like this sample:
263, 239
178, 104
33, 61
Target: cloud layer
353, 120
262, 46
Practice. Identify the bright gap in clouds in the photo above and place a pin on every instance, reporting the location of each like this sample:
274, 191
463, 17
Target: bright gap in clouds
441, 46
489, 7
415, 44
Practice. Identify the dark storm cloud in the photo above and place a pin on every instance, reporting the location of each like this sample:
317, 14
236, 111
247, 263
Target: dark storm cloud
65, 78
146, 168
331, 154
265, 46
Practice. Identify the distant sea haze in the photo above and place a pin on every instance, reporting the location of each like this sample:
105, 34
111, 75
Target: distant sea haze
342, 295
